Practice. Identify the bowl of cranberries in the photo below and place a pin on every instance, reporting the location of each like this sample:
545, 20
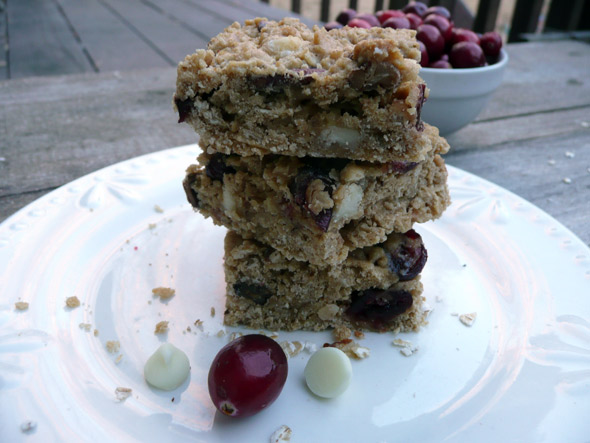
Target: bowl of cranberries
460, 67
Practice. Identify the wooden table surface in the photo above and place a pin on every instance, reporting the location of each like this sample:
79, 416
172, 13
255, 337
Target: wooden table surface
114, 103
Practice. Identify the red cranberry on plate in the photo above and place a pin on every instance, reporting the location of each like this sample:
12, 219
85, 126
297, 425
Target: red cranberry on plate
415, 20
382, 16
444, 25
247, 375
491, 43
433, 39
359, 23
345, 16
417, 8
467, 55
397, 23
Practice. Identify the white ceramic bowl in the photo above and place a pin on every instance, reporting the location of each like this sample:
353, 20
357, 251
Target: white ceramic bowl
457, 96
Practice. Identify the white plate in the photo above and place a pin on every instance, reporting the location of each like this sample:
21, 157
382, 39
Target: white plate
520, 373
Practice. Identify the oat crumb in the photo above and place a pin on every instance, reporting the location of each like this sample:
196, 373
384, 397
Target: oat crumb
234, 335
152, 225
158, 209
292, 348
119, 358
281, 435
407, 348
221, 333
310, 347
341, 332
85, 326
551, 162
570, 154
163, 293
28, 426
96, 332
567, 180
123, 393
21, 305
468, 319
113, 346
212, 311
72, 302
359, 334
161, 327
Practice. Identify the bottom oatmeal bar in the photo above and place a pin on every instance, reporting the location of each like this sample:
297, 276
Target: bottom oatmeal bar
376, 288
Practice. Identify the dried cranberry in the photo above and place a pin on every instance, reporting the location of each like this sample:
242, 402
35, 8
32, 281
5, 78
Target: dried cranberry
217, 167
298, 188
376, 308
191, 194
400, 167
419, 104
406, 253
184, 108
255, 292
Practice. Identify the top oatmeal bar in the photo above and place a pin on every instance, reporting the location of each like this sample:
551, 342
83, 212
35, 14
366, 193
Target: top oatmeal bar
283, 88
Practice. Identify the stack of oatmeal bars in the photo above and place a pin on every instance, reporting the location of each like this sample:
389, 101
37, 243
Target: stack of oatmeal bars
316, 160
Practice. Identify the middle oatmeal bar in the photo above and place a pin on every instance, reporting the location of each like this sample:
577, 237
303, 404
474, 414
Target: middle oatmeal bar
282, 88
314, 209
376, 288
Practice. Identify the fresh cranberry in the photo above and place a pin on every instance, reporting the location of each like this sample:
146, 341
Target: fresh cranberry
333, 25
345, 16
440, 64
382, 16
370, 19
247, 375
464, 35
432, 39
359, 23
491, 43
467, 55
424, 59
397, 23
438, 10
415, 20
444, 25
417, 8
377, 308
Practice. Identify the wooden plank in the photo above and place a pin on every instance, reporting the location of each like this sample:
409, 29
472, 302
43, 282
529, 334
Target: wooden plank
4, 68
41, 41
528, 89
59, 128
259, 9
550, 160
111, 42
524, 19
487, 13
165, 31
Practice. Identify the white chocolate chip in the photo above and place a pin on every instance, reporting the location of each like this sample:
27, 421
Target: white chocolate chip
341, 136
167, 368
348, 200
328, 372
328, 312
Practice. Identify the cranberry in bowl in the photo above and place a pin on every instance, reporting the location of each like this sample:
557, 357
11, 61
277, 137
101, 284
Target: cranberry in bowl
457, 96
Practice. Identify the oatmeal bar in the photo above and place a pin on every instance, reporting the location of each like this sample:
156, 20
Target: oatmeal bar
314, 209
376, 288
283, 88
